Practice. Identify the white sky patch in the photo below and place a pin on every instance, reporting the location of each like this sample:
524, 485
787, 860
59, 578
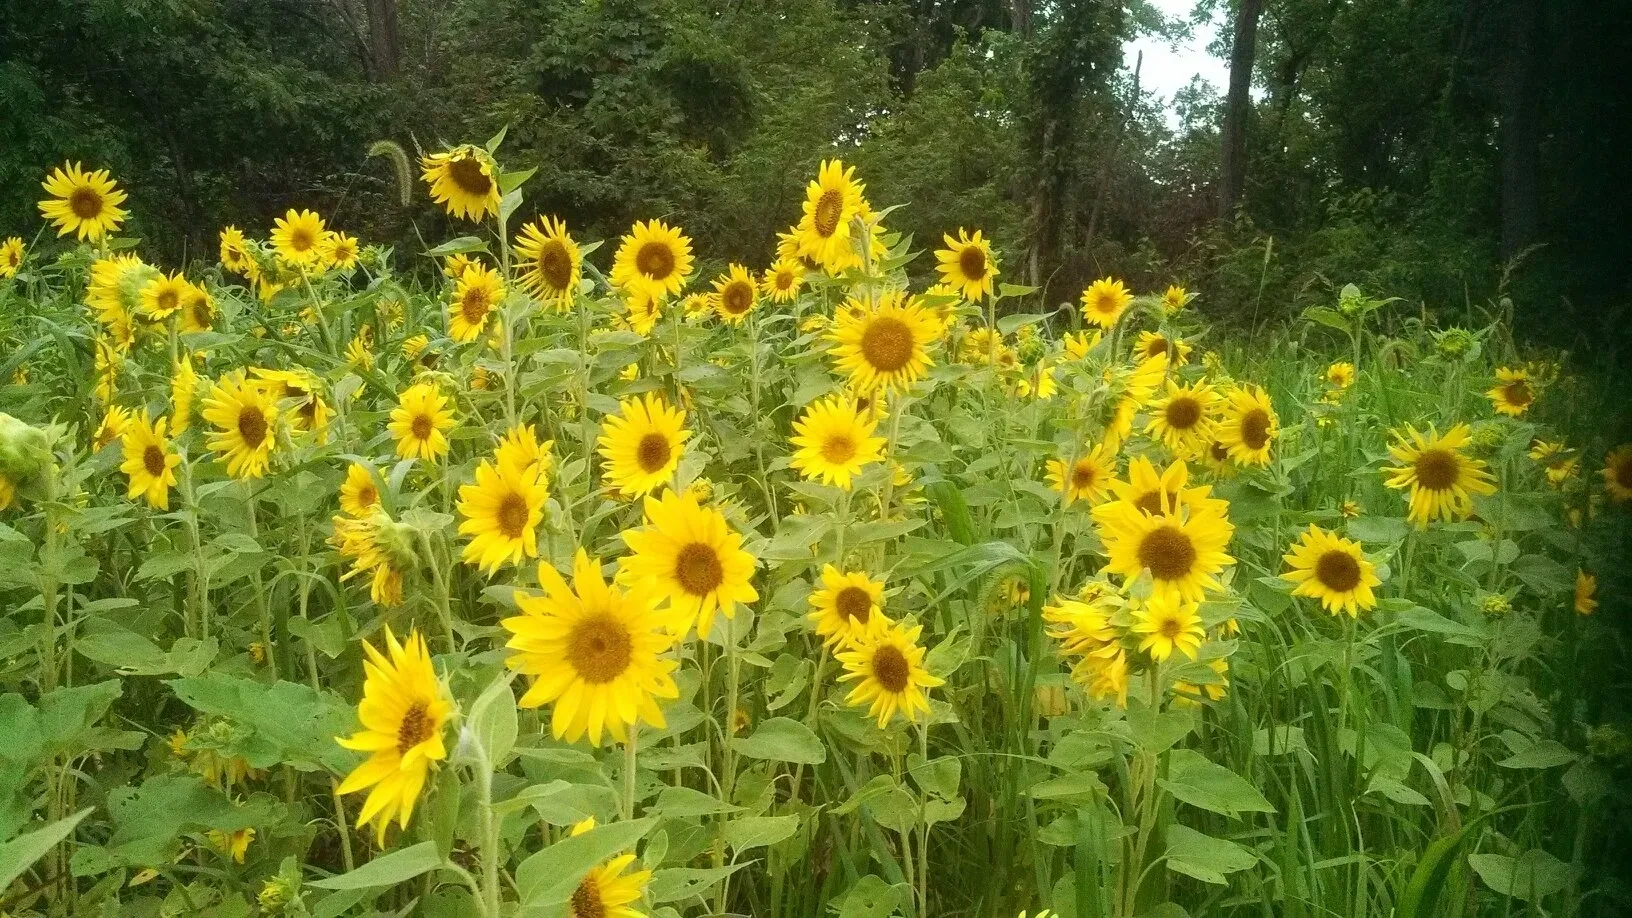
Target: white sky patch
1169, 67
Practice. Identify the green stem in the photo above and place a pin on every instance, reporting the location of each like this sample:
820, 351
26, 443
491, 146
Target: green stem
629, 751
261, 607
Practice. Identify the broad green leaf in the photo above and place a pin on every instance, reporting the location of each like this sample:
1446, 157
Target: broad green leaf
1545, 754
1192, 778
677, 884
289, 723
677, 802
1532, 876
1204, 857
492, 719
389, 870
871, 897
21, 852
550, 876
759, 831
783, 739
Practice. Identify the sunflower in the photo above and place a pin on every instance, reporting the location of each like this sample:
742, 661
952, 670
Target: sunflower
1617, 472
1089, 478
1138, 385
690, 556
339, 250
359, 495
781, 282
1155, 493
1182, 551
885, 347
549, 262
1083, 626
1189, 693
415, 345
297, 237
1076, 345
847, 608
1104, 301
183, 388
462, 181
197, 310
501, 513
477, 292
148, 462
1249, 426
377, 546
300, 390
1164, 624
1176, 298
1152, 343
11, 256
642, 310
1339, 375
735, 294
1333, 570
983, 346
243, 416
234, 252
832, 203
642, 444
653, 259
605, 892
234, 844
967, 265
8, 491
84, 203
418, 422
1441, 479
114, 422
1513, 392
1184, 419
888, 666
403, 711
597, 652
1586, 592
520, 448
833, 441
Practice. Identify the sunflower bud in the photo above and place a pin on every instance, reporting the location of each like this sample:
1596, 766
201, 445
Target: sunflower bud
24, 451
1496, 604
1454, 342
1609, 742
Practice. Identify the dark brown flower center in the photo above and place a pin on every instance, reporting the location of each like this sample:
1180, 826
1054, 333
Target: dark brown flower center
1168, 552
586, 900
784, 280
415, 727
153, 460
1171, 627
1255, 428
513, 515
555, 265
972, 262
599, 649
653, 453
1623, 472
1220, 452
467, 173
1518, 393
887, 344
1338, 571
829, 208
1183, 412
474, 304
1437, 469
854, 603
302, 239
1151, 502
422, 427
1084, 474
737, 298
655, 260
368, 495
251, 426
1156, 347
168, 300
86, 203
697, 567
891, 669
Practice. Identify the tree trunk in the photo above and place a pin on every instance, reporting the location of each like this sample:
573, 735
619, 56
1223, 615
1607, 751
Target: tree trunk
1520, 131
1232, 162
384, 39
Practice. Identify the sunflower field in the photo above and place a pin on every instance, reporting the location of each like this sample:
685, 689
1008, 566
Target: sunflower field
524, 574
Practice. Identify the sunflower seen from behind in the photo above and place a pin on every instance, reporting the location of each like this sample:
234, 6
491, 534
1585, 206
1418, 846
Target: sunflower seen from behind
478, 291
83, 203
735, 295
653, 259
847, 607
377, 547
884, 347
243, 417
887, 667
1088, 477
1249, 426
1104, 301
833, 441
183, 390
691, 558
548, 261
966, 265
403, 710
149, 463
420, 421
464, 181
1441, 478
597, 652
501, 512
1334, 570
642, 444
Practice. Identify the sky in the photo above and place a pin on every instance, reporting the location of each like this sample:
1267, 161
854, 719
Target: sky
1168, 67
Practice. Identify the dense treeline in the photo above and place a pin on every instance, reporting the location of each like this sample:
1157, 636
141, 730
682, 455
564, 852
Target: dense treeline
1414, 147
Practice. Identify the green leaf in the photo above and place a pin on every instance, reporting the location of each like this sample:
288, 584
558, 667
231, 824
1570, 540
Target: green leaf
1545, 754
1007, 324
1205, 784
680, 883
1532, 876
759, 831
396, 867
1204, 857
782, 739
493, 720
678, 801
289, 723
21, 852
871, 897
550, 876
457, 246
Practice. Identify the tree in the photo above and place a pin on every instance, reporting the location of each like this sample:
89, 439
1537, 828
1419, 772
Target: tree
1237, 108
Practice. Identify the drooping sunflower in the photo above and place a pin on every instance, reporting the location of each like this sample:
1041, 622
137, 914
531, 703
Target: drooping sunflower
885, 347
378, 547
832, 203
549, 261
643, 443
520, 448
112, 427
197, 310
1586, 592
653, 259
1188, 694
1104, 301
1138, 386
148, 461
339, 250
243, 416
887, 666
1514, 392
1184, 420
234, 252
606, 892
418, 422
967, 265
1617, 472
300, 395
595, 651
359, 495
689, 555
1076, 345
1151, 343
1249, 426
1089, 477
782, 279
83, 203
1183, 551
1441, 479
1166, 624
1334, 570
11, 256
501, 513
183, 388
833, 441
462, 180
848, 606
297, 238
477, 292
735, 294
402, 713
